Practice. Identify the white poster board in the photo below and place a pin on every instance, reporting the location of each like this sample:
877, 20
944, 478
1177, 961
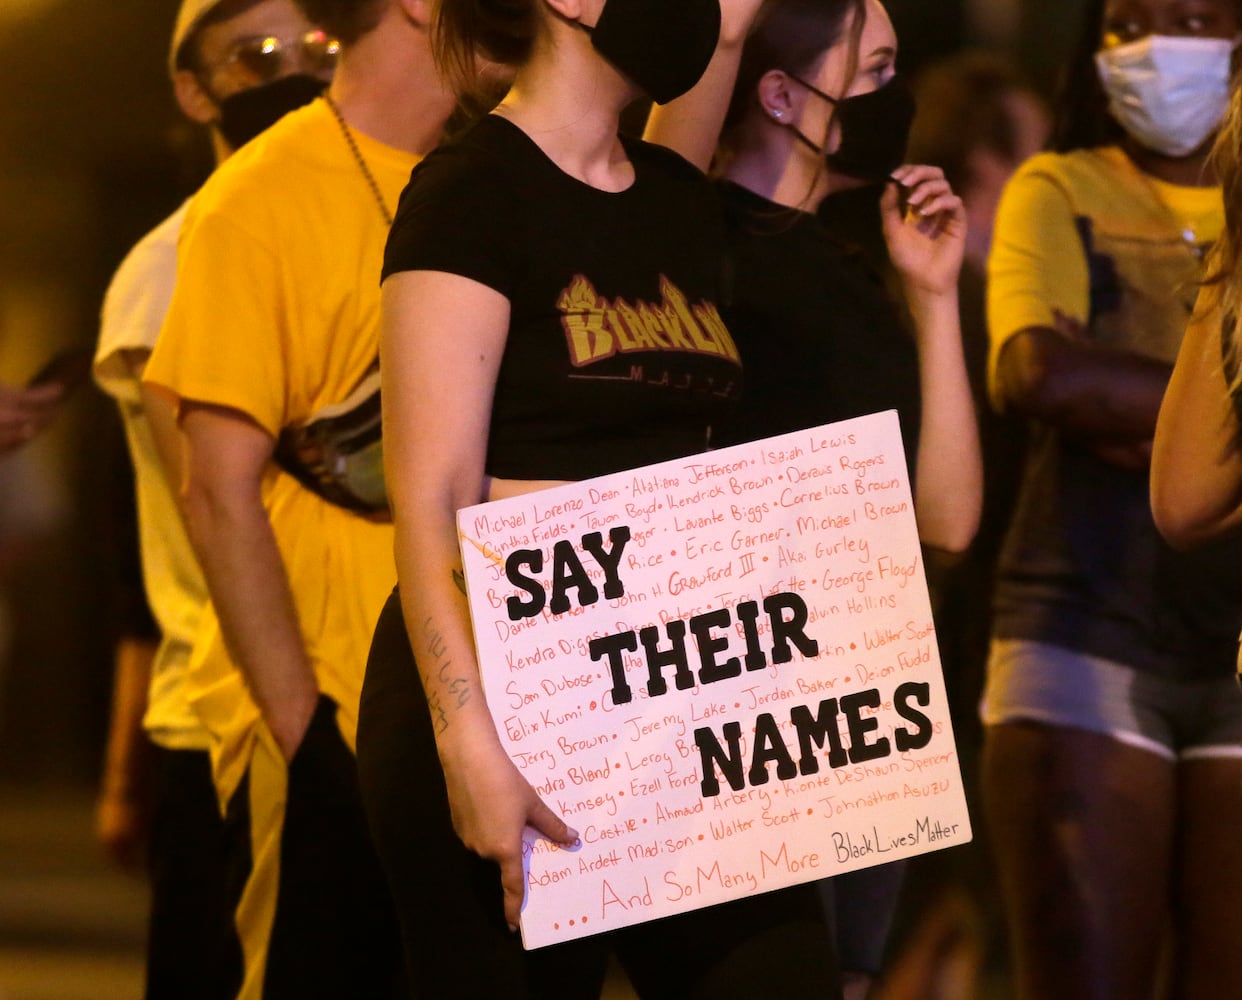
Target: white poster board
721, 671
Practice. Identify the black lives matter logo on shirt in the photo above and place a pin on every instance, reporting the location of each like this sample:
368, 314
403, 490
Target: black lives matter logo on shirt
597, 329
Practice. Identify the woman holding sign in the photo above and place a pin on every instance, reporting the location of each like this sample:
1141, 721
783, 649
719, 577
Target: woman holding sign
1113, 749
818, 107
505, 240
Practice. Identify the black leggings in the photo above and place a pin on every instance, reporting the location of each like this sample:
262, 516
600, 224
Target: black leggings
450, 906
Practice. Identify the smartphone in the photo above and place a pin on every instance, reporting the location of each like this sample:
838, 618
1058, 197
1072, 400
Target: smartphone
68, 368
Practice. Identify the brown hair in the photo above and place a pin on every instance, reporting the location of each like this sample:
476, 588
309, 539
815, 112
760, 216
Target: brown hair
500, 31
789, 35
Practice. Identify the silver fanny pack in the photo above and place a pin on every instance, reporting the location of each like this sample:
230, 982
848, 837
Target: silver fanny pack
338, 453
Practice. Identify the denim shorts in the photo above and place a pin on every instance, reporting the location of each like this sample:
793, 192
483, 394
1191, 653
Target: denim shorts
1178, 720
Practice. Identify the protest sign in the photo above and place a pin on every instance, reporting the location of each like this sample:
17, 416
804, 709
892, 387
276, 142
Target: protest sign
721, 671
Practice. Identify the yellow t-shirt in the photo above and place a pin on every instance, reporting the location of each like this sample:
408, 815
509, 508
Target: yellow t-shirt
276, 315
1086, 240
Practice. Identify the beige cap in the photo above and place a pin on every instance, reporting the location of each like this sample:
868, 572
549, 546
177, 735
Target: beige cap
189, 16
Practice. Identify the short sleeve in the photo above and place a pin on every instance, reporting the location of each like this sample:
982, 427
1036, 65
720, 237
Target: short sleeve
457, 216
226, 339
1037, 268
134, 307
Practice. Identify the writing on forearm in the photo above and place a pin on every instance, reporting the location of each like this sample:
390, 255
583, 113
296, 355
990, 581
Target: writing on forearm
451, 689
439, 718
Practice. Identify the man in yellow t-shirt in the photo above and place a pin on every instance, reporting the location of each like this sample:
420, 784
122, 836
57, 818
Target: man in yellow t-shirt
275, 317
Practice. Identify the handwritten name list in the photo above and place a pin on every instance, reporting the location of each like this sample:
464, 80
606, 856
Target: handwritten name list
722, 671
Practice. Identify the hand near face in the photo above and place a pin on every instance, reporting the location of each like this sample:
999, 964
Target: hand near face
927, 240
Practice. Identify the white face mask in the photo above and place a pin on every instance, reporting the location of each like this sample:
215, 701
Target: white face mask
1169, 93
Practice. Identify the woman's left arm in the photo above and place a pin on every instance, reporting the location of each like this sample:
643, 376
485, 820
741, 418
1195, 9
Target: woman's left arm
926, 242
1196, 465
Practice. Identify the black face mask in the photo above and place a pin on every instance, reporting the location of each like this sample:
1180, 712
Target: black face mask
664, 46
875, 129
248, 112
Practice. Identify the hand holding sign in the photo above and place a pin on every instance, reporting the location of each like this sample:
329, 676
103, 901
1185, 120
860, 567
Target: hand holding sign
721, 670
492, 804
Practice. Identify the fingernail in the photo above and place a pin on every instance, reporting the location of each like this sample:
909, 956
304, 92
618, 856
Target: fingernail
513, 928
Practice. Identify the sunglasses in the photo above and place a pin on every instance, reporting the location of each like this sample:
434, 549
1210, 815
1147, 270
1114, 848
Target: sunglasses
267, 57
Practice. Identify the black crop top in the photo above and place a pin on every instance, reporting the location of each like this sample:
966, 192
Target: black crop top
616, 354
